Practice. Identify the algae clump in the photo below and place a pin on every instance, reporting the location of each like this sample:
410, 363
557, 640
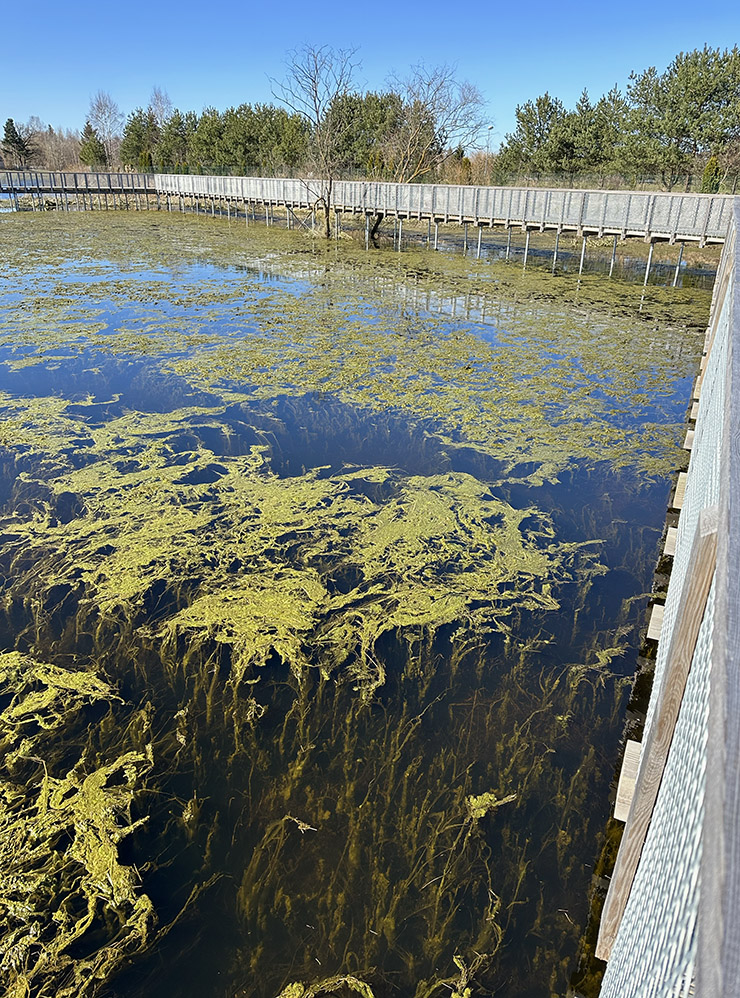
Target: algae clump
61, 879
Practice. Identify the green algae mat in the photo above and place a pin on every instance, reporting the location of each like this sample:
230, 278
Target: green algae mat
323, 573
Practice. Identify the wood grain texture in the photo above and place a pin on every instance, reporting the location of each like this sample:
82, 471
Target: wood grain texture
680, 492
627, 779
670, 542
690, 611
718, 948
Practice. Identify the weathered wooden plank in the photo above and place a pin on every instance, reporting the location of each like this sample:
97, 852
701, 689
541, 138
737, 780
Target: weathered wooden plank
690, 610
680, 493
655, 626
670, 542
627, 779
689, 440
694, 414
718, 956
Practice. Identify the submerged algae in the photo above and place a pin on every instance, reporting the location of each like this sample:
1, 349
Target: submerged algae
310, 567
349, 648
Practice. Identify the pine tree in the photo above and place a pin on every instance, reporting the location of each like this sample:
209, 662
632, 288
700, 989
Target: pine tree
92, 149
15, 146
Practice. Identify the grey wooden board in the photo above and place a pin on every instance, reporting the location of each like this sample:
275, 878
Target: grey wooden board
670, 542
627, 778
656, 621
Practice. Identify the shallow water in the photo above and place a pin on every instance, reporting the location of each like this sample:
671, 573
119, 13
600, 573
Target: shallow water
354, 553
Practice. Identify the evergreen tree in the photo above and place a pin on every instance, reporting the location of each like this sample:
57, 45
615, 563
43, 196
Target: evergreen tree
711, 176
16, 146
532, 146
140, 138
92, 150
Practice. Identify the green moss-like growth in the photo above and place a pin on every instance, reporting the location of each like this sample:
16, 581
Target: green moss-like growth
320, 625
61, 880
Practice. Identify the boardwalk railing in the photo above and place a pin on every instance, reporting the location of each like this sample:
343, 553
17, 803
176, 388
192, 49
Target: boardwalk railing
44, 182
671, 922
703, 218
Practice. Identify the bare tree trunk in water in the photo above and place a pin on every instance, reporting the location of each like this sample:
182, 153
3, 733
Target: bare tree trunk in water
327, 207
376, 225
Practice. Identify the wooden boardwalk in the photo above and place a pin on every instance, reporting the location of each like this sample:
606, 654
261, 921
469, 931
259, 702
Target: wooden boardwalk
702, 218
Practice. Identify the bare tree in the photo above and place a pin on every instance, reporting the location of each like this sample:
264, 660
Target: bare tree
316, 79
441, 116
161, 107
106, 118
60, 148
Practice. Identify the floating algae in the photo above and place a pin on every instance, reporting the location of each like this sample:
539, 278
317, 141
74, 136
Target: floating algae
584, 384
60, 874
348, 588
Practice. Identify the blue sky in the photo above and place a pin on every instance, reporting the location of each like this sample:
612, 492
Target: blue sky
54, 58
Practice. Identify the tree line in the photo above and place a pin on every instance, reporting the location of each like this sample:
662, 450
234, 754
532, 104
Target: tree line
681, 126
676, 127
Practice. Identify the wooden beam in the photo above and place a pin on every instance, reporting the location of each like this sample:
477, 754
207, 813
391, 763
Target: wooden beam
690, 612
627, 779
670, 542
655, 626
680, 492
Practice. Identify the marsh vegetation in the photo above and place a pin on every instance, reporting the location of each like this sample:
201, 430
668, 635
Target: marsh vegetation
319, 606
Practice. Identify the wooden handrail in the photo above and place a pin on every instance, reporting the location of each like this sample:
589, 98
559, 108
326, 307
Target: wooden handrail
690, 612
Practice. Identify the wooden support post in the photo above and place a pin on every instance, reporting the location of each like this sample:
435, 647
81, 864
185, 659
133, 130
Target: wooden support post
480, 236
649, 262
555, 253
526, 250
436, 234
614, 257
136, 199
508, 242
313, 219
583, 256
678, 265
429, 232
158, 202
655, 749
400, 231
367, 232
465, 237
336, 224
